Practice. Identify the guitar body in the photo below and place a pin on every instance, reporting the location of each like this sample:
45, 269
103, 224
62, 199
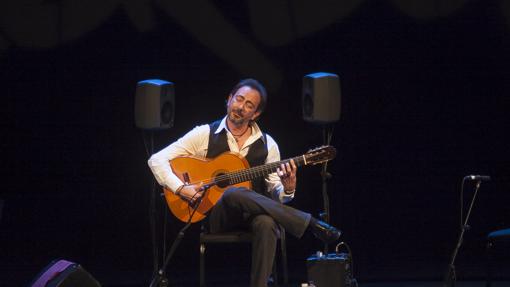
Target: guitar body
202, 170
227, 169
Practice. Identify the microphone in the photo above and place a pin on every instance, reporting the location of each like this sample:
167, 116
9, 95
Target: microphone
478, 177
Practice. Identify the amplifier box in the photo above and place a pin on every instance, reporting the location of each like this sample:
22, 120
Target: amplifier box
332, 270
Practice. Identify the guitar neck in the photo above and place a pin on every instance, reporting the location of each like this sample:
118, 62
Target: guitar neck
261, 170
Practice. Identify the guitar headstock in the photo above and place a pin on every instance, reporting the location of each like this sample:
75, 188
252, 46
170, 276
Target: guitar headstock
320, 155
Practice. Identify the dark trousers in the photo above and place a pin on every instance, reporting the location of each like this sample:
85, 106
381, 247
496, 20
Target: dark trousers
244, 208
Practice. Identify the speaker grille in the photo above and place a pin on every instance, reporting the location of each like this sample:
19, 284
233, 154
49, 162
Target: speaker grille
307, 104
167, 113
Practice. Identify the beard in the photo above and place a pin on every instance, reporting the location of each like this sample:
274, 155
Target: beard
236, 117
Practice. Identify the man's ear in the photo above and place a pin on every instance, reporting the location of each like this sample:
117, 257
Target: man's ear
256, 115
228, 99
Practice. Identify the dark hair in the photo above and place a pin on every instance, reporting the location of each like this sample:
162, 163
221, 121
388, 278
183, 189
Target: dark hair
256, 85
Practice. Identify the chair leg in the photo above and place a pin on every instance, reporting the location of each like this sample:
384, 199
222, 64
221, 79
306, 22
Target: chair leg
202, 265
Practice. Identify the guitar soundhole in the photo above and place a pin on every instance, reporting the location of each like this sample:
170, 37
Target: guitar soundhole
222, 181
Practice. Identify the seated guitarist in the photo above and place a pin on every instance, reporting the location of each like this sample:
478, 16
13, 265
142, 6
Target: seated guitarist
260, 209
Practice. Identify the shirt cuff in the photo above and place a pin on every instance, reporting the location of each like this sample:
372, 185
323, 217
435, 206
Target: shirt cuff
283, 196
289, 192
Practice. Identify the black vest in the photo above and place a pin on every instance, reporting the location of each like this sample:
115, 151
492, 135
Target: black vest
256, 156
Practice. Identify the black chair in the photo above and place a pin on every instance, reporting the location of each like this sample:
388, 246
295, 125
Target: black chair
495, 237
241, 237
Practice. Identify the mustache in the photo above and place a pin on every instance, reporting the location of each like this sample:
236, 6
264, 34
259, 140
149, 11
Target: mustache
238, 112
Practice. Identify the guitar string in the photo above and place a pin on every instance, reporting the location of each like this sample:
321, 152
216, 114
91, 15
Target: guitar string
246, 172
243, 173
300, 160
238, 176
272, 167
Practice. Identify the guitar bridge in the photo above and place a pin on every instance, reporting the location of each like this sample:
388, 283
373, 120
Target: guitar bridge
185, 176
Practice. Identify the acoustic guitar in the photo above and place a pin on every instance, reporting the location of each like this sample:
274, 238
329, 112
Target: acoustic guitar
227, 169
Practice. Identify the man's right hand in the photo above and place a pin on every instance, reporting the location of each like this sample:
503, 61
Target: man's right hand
191, 192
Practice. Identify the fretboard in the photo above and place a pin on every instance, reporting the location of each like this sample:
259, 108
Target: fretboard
248, 174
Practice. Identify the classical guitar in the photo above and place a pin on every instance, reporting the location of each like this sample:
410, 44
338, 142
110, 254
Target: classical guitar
227, 169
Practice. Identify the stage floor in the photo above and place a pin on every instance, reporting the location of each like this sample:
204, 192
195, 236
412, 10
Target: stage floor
239, 277
434, 284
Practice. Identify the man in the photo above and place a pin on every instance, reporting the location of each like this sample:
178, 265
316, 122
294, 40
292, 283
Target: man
260, 209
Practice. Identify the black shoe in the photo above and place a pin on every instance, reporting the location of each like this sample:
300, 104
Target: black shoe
324, 231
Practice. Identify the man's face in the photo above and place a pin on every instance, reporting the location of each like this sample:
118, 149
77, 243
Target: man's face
242, 106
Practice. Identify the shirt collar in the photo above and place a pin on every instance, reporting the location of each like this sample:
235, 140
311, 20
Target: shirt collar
256, 132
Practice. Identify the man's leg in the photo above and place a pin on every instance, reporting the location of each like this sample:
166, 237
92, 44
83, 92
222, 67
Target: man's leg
239, 202
265, 235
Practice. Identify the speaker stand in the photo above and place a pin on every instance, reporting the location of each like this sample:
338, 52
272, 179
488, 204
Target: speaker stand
149, 149
327, 134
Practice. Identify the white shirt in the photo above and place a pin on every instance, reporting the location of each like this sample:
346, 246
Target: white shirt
196, 142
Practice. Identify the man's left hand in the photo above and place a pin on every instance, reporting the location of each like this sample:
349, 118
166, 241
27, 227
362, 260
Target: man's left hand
287, 174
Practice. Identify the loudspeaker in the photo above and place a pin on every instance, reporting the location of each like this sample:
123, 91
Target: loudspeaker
62, 273
154, 104
321, 98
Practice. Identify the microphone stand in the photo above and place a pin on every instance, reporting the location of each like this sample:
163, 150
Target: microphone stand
159, 279
451, 276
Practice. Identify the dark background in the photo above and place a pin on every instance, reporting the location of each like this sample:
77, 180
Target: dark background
424, 103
